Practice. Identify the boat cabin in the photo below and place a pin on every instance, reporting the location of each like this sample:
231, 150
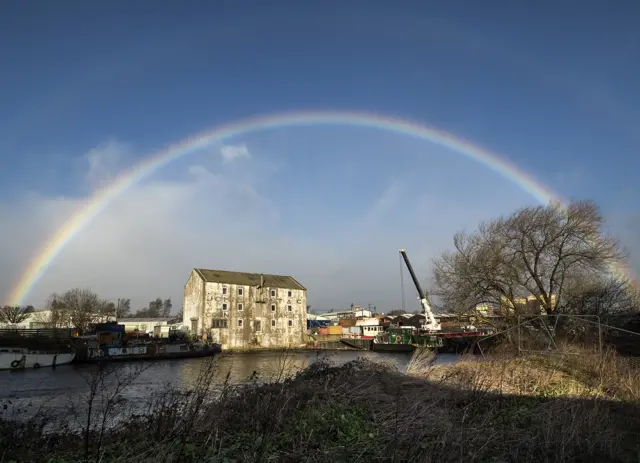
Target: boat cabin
109, 334
396, 335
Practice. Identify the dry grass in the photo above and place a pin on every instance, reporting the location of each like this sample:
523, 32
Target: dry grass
580, 374
360, 411
422, 360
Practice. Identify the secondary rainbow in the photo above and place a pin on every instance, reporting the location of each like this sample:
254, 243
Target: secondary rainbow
101, 198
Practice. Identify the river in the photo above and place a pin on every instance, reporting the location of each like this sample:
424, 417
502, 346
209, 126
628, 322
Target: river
59, 388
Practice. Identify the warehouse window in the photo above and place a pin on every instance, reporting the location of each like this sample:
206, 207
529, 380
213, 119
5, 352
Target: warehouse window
273, 323
239, 323
273, 293
257, 325
239, 291
224, 306
289, 308
219, 323
290, 322
240, 307
224, 290
289, 294
273, 307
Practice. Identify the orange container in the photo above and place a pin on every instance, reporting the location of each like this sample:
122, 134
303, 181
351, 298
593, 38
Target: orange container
335, 329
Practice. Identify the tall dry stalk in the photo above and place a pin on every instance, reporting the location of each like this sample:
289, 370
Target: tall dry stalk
421, 362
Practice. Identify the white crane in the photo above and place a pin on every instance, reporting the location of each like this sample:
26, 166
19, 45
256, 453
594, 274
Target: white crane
431, 324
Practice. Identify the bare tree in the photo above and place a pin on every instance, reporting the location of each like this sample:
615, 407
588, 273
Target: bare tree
166, 307
601, 296
536, 252
119, 309
13, 315
83, 307
55, 315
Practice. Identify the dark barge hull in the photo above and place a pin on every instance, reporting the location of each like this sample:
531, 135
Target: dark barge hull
458, 345
384, 347
210, 352
359, 344
453, 345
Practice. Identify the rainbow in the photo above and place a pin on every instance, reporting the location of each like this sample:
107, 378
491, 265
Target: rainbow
101, 198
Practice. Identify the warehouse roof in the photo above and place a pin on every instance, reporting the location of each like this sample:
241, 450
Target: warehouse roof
249, 279
146, 319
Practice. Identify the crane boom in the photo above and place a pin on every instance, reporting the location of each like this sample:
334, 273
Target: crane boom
431, 322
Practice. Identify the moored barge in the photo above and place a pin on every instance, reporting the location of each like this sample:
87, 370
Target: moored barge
22, 358
110, 344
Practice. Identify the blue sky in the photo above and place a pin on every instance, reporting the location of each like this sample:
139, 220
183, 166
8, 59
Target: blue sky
89, 88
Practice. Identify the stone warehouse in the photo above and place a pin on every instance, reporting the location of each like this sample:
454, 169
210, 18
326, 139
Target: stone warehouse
241, 310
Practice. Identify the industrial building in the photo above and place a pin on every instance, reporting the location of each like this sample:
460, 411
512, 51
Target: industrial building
155, 326
243, 310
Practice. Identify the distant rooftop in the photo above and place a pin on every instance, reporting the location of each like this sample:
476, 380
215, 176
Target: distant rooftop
249, 279
146, 319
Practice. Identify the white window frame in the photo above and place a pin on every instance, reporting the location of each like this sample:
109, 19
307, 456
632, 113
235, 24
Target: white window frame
273, 307
273, 323
224, 290
225, 307
240, 306
273, 293
240, 292
240, 323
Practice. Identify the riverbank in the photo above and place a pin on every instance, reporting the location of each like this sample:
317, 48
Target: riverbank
584, 374
359, 411
326, 346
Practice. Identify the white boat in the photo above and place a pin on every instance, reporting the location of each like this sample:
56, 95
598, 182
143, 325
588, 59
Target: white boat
16, 358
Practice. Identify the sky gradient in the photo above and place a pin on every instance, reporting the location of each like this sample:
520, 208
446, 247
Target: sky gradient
89, 90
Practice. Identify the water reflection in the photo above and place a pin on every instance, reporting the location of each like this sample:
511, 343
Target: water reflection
54, 387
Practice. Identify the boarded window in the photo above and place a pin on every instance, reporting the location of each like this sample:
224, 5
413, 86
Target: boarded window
219, 323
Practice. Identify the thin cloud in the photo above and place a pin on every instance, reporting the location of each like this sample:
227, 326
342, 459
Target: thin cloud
386, 201
205, 214
103, 162
231, 153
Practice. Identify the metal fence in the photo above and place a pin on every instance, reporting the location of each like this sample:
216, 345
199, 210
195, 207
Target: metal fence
559, 333
36, 333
